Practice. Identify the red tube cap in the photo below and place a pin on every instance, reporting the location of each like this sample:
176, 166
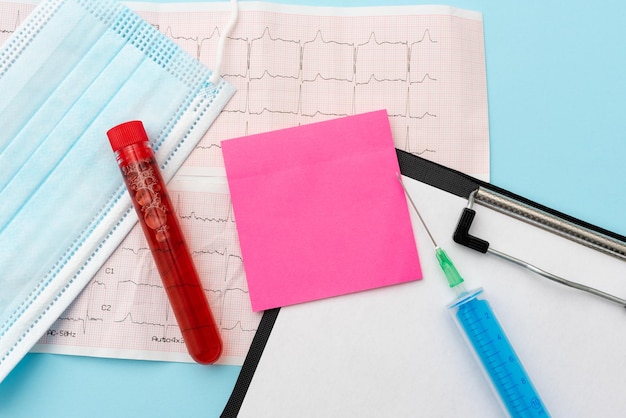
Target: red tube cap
127, 133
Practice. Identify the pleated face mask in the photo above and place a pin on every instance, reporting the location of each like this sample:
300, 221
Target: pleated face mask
72, 71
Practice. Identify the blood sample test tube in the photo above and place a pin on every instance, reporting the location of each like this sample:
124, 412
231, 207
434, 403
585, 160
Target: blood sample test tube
165, 239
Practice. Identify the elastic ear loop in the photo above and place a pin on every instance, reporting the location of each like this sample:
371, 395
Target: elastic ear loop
234, 14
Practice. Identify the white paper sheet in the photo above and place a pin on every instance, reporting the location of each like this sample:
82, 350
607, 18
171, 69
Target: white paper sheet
396, 351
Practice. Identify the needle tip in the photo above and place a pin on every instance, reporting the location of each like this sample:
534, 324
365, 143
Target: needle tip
417, 212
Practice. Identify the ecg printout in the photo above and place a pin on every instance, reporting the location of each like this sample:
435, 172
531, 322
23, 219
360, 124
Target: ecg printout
291, 65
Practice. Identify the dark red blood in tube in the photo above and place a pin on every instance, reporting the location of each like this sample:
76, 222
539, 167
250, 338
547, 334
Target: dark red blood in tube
169, 249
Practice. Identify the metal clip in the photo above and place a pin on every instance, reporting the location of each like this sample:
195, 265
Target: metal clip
463, 237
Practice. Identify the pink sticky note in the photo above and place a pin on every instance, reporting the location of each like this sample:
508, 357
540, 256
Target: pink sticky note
320, 211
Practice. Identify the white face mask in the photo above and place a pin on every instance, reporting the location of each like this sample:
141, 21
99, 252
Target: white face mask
75, 69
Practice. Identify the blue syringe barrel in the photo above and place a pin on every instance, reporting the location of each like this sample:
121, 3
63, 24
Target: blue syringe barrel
496, 356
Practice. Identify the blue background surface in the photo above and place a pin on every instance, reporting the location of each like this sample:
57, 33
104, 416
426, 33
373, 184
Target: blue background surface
557, 98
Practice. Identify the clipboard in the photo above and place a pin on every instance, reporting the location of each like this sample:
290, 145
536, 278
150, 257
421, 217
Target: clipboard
395, 352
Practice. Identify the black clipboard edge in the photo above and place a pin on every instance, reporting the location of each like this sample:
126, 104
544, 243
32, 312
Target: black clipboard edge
231, 410
463, 185
419, 169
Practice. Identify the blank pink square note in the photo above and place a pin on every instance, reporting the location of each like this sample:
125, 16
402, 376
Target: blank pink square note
320, 211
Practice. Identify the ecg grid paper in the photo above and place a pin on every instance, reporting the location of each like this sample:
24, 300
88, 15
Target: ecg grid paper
291, 65
300, 65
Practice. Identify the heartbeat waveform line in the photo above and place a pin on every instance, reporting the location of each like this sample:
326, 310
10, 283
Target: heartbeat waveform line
228, 263
430, 39
169, 32
224, 253
302, 45
319, 76
296, 109
409, 48
220, 317
221, 314
84, 321
220, 292
423, 80
407, 145
123, 282
192, 216
87, 318
16, 23
96, 282
320, 35
420, 153
299, 72
239, 325
425, 114
373, 38
372, 78
209, 147
267, 33
129, 318
228, 258
136, 251
266, 73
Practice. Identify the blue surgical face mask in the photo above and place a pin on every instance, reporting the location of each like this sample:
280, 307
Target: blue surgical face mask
73, 70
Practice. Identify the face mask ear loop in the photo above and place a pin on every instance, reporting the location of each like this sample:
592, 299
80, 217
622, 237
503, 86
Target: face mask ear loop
234, 14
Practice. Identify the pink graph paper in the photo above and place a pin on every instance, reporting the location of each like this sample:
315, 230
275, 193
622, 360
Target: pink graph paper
292, 65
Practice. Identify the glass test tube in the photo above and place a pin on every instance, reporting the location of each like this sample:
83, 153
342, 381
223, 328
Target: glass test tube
167, 244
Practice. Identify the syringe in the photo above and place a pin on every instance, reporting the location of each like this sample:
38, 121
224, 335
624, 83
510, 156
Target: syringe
490, 345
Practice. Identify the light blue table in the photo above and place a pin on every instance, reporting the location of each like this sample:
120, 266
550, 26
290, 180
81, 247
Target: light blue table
557, 110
